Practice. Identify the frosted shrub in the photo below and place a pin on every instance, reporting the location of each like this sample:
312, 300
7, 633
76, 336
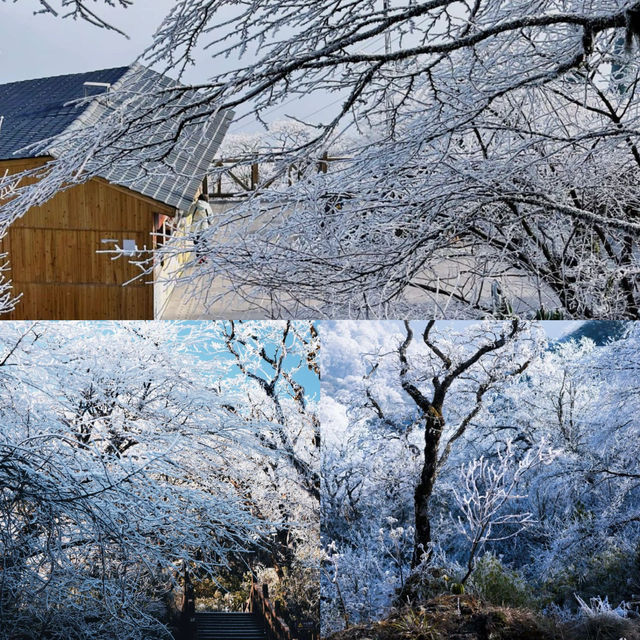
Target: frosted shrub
499, 585
600, 621
601, 607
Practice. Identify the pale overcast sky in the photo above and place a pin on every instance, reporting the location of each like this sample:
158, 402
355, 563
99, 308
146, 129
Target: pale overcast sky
35, 46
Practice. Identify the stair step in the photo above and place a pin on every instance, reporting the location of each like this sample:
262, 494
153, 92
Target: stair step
260, 634
223, 623
228, 625
251, 632
205, 635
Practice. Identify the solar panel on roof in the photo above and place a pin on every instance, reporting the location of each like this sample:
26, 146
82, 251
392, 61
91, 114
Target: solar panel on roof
36, 110
27, 103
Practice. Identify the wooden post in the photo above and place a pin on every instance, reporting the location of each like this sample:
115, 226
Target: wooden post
187, 630
255, 176
323, 165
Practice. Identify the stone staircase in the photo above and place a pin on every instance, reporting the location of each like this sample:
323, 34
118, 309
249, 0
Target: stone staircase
218, 625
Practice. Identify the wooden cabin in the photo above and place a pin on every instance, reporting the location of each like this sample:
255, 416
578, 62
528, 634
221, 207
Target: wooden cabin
52, 251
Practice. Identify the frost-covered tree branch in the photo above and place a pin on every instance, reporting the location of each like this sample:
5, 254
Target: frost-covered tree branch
486, 491
551, 455
484, 366
486, 163
127, 454
79, 9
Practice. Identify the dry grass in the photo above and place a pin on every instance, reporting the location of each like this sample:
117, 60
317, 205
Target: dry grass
606, 628
467, 618
454, 618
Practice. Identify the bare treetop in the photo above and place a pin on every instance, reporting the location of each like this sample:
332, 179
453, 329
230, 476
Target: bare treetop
80, 9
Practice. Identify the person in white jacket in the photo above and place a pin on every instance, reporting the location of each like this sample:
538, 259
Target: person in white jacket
201, 214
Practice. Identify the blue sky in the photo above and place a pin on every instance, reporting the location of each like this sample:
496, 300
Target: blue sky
302, 376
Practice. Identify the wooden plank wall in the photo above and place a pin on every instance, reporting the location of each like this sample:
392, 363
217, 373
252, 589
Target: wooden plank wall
53, 259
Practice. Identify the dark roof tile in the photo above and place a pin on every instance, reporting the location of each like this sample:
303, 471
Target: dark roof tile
34, 110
